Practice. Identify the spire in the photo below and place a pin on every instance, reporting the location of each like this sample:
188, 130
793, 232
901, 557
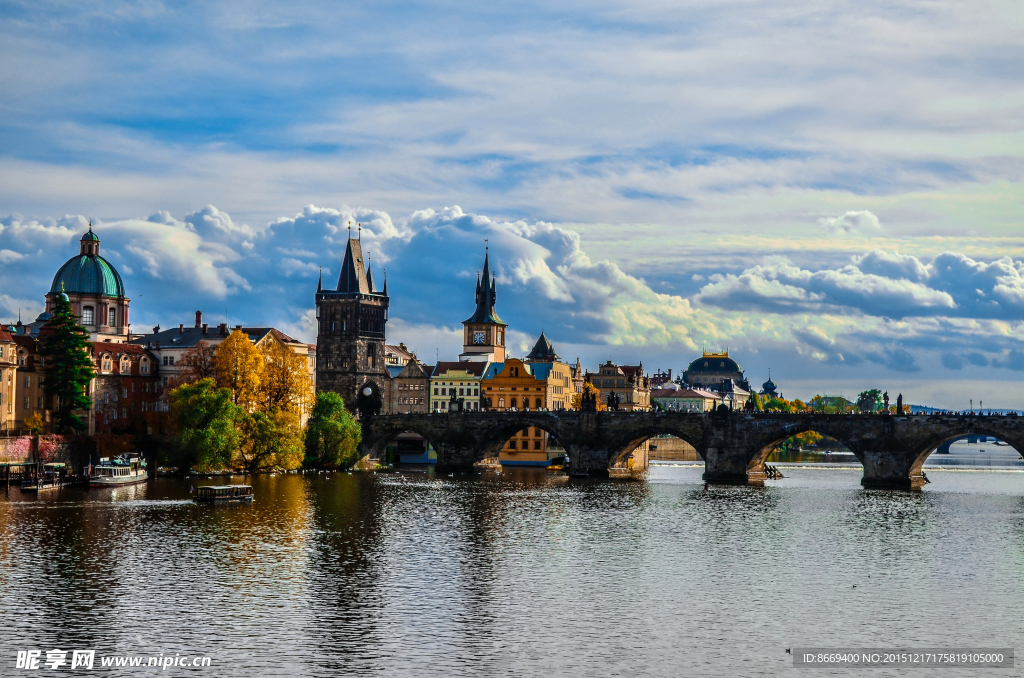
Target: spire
542, 351
385, 291
353, 273
320, 280
485, 296
369, 275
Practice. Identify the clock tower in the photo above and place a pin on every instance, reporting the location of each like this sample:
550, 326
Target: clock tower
484, 332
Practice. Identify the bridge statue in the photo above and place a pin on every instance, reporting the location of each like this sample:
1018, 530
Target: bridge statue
899, 404
733, 444
885, 401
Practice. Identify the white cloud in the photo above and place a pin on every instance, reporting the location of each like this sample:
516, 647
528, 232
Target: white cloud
861, 222
7, 256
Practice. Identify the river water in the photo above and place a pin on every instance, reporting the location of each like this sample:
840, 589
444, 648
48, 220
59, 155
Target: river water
518, 573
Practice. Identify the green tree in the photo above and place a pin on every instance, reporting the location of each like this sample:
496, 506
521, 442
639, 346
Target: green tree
269, 441
869, 401
205, 420
67, 369
332, 434
756, 399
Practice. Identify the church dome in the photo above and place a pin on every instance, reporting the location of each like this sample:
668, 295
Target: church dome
713, 363
88, 273
769, 386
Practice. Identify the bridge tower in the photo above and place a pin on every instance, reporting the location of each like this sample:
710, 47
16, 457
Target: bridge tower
350, 331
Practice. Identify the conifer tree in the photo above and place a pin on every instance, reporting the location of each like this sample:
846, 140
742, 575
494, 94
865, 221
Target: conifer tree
67, 369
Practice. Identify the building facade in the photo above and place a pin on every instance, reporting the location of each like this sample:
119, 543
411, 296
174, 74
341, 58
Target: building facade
127, 393
685, 399
630, 386
711, 369
8, 374
351, 324
407, 390
456, 385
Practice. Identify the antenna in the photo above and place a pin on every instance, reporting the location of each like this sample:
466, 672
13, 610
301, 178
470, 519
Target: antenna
360, 233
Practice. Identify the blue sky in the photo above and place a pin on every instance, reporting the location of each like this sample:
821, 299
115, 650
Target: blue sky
830, 190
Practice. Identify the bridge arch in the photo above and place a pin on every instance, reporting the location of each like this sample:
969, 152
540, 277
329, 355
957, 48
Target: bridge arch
501, 430
620, 447
959, 431
771, 440
384, 436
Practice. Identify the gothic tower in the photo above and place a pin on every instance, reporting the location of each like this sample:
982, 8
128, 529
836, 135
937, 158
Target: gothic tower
350, 332
484, 332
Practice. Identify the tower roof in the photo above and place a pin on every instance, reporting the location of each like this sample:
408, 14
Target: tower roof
543, 351
486, 295
353, 278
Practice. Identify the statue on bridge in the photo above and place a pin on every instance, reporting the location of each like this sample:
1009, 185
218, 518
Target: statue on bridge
899, 404
588, 400
613, 401
885, 400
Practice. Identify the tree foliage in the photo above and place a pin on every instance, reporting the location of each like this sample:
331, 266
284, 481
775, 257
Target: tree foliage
199, 362
869, 401
239, 367
756, 401
267, 442
284, 384
67, 369
332, 434
205, 420
576, 402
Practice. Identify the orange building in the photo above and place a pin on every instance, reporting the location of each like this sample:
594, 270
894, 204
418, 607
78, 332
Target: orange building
540, 382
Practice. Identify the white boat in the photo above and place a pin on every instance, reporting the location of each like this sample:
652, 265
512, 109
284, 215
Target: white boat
118, 471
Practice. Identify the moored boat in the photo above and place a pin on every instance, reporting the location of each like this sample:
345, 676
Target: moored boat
118, 471
223, 493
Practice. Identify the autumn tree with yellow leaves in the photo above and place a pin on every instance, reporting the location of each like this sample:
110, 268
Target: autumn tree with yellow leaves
285, 385
240, 368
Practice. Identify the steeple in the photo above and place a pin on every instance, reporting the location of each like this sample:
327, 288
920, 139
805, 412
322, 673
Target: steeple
320, 281
385, 291
353, 272
486, 296
543, 351
369, 275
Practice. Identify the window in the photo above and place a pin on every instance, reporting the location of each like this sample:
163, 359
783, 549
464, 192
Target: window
28, 381
170, 360
513, 404
21, 359
113, 317
124, 392
536, 444
435, 391
165, 360
540, 403
144, 367
512, 444
501, 402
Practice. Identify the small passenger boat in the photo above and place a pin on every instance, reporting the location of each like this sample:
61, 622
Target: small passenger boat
121, 470
222, 493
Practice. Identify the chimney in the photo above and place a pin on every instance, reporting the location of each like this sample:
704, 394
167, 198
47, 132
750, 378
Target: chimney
205, 326
156, 330
238, 327
222, 328
181, 328
199, 318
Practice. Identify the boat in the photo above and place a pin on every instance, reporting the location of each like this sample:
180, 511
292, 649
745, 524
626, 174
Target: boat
53, 476
223, 493
121, 470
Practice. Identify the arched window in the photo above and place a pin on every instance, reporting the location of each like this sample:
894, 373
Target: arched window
540, 403
501, 402
87, 315
513, 403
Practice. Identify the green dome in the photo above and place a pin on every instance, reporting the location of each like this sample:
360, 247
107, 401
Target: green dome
88, 274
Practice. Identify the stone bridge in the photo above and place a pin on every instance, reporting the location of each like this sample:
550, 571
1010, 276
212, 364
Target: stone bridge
733, 445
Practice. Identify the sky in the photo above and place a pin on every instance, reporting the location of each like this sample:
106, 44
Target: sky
830, 190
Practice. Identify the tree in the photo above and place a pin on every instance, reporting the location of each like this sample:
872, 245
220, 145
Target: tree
756, 399
284, 385
267, 442
778, 405
332, 434
576, 402
67, 368
239, 366
205, 419
199, 362
35, 423
869, 401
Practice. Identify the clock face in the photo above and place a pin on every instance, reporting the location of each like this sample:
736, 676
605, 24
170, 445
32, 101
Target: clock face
479, 337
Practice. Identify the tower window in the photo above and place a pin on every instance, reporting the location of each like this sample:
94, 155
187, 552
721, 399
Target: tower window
113, 317
87, 315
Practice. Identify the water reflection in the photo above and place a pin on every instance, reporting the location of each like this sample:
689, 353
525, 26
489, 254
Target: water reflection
522, 572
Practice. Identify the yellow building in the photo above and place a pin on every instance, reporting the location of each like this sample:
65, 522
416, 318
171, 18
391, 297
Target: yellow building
458, 382
8, 373
630, 386
541, 382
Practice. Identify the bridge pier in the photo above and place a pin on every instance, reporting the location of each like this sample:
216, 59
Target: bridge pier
454, 458
728, 466
592, 461
890, 470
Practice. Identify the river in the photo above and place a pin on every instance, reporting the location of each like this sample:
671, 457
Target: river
518, 573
